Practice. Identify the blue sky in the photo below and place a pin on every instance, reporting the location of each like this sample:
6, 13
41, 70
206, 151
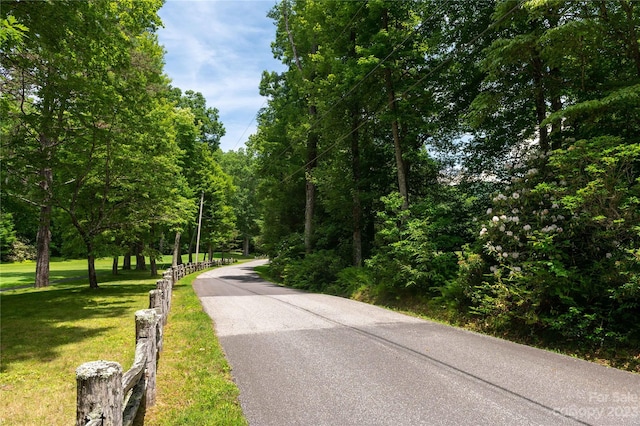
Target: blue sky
220, 48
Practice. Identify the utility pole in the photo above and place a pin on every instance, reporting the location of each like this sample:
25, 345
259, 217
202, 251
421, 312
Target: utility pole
199, 226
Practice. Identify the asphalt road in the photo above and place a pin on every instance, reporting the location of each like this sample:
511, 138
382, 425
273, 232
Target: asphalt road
309, 359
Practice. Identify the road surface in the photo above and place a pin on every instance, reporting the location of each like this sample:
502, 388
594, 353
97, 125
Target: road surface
309, 359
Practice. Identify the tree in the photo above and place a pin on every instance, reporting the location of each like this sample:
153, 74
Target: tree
69, 80
198, 135
206, 119
562, 240
240, 166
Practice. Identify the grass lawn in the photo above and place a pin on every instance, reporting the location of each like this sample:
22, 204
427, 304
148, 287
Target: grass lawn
47, 333
23, 273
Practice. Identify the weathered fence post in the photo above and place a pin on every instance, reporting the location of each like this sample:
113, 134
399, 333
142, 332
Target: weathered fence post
99, 393
146, 320
168, 276
155, 299
165, 286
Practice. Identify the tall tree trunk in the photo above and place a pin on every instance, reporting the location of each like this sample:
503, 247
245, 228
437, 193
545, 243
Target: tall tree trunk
43, 242
356, 211
126, 261
537, 67
312, 146
43, 238
140, 261
397, 142
91, 265
632, 35
47, 140
114, 265
191, 243
153, 265
556, 105
245, 245
310, 186
177, 258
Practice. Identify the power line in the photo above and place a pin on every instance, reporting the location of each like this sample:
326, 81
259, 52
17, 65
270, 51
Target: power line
255, 116
364, 3
344, 29
429, 74
363, 79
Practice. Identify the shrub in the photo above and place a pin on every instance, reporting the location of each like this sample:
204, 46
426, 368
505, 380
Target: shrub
561, 245
406, 259
315, 272
21, 250
7, 236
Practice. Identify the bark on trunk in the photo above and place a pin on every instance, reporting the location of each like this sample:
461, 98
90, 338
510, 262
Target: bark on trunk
43, 242
632, 36
356, 210
140, 261
47, 139
539, 101
91, 267
312, 147
126, 262
154, 266
310, 187
556, 105
210, 253
114, 266
245, 245
397, 142
193, 236
176, 251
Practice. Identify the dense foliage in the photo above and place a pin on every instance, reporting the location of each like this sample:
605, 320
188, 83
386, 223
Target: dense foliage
100, 155
482, 156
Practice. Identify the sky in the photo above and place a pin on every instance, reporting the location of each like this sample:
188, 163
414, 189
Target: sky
220, 48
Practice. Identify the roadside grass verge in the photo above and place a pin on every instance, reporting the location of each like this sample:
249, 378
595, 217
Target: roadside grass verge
194, 380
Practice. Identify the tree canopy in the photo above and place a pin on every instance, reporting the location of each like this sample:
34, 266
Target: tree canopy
482, 155
94, 138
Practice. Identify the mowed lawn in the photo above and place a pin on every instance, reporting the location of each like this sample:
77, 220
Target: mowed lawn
62, 270
47, 333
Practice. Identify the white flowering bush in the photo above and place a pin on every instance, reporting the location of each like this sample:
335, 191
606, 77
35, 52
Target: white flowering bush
561, 243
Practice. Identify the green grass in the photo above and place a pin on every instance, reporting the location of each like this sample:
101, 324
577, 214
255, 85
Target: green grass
23, 273
47, 333
194, 381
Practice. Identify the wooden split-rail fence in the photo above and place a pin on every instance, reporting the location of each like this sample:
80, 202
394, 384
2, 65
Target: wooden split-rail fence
108, 397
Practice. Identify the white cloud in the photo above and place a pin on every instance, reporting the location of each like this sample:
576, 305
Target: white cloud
220, 48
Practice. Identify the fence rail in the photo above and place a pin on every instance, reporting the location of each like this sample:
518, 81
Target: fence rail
108, 397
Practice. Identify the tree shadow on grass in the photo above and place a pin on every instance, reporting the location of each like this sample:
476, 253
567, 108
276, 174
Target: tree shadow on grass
35, 324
